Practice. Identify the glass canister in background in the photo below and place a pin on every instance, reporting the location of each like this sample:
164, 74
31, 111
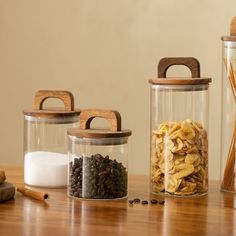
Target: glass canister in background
179, 130
228, 122
45, 139
98, 158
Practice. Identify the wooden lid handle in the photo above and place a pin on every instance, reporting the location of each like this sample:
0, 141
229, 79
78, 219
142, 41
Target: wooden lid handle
112, 116
191, 62
65, 96
233, 27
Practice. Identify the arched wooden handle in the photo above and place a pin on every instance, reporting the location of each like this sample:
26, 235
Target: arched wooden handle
112, 116
65, 96
191, 62
233, 26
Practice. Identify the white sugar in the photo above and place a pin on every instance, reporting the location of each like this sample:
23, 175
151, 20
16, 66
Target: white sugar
46, 169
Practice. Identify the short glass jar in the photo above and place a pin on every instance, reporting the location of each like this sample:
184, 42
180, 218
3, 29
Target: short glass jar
45, 139
179, 131
98, 158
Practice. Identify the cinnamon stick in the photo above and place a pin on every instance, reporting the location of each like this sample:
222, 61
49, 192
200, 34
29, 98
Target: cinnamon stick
32, 193
229, 173
228, 182
230, 74
233, 82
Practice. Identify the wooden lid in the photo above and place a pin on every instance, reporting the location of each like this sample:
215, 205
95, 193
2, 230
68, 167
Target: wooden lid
232, 36
86, 117
192, 63
180, 81
53, 112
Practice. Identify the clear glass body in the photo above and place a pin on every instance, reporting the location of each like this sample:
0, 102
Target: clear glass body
45, 150
228, 133
179, 139
98, 168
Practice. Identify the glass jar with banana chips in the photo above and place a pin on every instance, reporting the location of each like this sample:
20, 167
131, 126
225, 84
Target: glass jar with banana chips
179, 131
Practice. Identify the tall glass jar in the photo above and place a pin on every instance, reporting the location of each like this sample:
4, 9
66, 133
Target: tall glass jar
45, 139
98, 158
179, 131
228, 122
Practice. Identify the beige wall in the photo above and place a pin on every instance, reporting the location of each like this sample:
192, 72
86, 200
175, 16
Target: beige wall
104, 52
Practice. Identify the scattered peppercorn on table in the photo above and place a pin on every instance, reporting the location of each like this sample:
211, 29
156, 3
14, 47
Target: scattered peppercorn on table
212, 214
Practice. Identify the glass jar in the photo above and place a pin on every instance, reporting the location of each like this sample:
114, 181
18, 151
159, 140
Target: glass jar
45, 140
179, 131
228, 121
98, 158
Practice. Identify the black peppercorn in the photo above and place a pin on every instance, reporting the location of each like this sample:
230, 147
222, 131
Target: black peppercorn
162, 202
99, 177
144, 202
131, 202
136, 200
154, 201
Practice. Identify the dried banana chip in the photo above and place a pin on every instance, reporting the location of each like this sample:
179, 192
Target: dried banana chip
192, 158
197, 127
191, 141
179, 161
172, 184
178, 145
157, 188
175, 126
182, 166
186, 132
179, 158
158, 141
185, 172
193, 149
170, 144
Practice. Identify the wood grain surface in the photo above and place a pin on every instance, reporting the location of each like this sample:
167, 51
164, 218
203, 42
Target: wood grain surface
166, 62
113, 130
213, 214
65, 96
233, 26
113, 117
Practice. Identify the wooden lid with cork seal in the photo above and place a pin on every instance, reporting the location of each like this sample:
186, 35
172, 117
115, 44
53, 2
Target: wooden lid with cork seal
53, 112
190, 62
232, 36
107, 135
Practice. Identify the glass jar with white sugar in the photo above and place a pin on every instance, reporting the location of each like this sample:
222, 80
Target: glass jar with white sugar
45, 140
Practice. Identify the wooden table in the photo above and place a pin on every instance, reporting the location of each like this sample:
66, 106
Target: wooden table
213, 214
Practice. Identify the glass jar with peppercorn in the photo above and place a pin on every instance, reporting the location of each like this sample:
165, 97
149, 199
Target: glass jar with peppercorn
98, 158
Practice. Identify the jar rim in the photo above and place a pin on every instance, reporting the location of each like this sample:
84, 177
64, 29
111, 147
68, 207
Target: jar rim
98, 133
99, 142
180, 81
228, 38
51, 112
